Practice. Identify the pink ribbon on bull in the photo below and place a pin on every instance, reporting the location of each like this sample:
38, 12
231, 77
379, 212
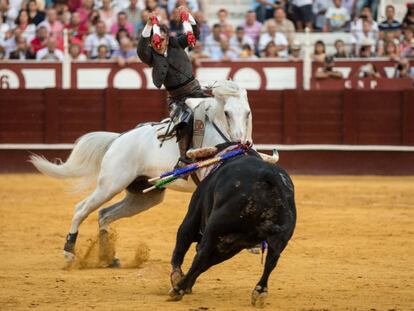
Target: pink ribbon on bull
156, 33
188, 29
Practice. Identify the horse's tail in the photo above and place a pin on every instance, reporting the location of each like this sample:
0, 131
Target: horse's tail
84, 160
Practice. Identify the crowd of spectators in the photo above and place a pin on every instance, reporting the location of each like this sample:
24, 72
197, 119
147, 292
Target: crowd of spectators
110, 29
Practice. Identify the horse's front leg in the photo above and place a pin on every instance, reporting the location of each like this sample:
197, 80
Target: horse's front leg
82, 210
104, 192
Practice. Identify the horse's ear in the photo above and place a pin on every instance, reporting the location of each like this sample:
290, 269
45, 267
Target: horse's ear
192, 103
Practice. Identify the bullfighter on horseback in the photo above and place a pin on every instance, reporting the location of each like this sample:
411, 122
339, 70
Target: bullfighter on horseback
172, 68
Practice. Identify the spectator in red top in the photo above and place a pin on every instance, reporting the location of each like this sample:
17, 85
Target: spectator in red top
122, 23
35, 15
40, 41
53, 25
85, 11
409, 16
75, 27
74, 5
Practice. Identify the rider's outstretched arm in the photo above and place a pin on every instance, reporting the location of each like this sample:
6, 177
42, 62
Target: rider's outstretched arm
144, 49
182, 39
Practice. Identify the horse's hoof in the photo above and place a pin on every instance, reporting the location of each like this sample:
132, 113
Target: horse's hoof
69, 257
176, 276
176, 294
259, 296
116, 263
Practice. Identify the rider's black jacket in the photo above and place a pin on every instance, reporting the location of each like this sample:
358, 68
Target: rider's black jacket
173, 70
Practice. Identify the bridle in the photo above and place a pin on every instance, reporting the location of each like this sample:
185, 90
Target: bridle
220, 132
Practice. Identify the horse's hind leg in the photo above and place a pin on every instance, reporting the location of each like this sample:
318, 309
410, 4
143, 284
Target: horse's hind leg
132, 204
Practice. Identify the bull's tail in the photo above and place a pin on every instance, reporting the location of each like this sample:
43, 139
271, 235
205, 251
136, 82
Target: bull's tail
84, 160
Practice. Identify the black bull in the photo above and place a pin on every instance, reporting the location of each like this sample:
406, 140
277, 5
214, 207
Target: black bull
244, 202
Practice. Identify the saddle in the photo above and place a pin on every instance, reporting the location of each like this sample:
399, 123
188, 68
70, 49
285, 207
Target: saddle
167, 128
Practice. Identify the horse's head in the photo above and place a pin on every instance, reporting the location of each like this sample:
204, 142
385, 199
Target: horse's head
234, 111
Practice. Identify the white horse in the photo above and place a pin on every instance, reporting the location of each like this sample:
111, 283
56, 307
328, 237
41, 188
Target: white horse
120, 162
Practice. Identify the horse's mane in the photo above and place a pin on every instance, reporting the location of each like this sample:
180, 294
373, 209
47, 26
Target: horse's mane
226, 88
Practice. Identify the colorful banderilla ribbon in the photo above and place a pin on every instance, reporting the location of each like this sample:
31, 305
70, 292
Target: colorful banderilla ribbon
171, 176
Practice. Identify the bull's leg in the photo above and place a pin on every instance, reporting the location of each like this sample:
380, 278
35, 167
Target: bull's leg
275, 247
187, 233
200, 264
207, 256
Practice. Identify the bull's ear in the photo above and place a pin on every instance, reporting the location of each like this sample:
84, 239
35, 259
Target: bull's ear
192, 103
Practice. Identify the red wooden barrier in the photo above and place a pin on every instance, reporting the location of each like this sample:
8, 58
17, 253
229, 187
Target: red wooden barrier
279, 117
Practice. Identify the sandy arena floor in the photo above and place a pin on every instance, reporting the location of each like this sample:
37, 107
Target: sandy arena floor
352, 250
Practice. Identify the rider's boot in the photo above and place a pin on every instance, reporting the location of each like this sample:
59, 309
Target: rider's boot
183, 145
182, 119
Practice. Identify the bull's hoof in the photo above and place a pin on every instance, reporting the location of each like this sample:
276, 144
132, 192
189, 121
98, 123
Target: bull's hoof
259, 295
69, 256
255, 250
176, 276
116, 263
176, 294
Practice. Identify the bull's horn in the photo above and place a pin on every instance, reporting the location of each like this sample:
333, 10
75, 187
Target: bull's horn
273, 159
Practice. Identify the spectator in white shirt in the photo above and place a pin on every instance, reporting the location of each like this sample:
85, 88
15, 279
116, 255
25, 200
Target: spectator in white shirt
337, 18
4, 28
50, 52
75, 53
229, 53
99, 37
295, 53
320, 7
213, 44
357, 25
366, 34
277, 37
10, 9
283, 24
240, 39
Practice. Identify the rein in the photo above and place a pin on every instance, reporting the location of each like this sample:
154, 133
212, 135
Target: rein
220, 132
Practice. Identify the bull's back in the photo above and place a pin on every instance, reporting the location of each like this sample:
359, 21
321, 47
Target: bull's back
247, 178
